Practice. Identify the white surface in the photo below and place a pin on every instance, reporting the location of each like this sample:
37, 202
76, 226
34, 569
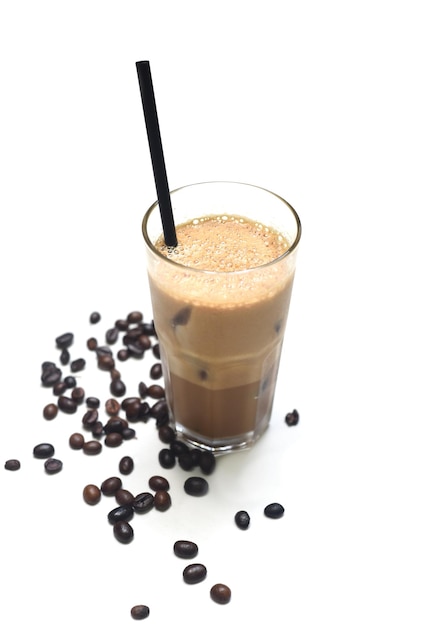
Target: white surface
335, 107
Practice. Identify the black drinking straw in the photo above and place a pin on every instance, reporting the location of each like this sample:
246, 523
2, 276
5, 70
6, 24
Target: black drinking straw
156, 151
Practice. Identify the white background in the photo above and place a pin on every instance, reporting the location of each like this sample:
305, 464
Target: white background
333, 105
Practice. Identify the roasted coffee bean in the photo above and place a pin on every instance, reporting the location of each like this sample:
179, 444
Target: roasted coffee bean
135, 317
149, 329
12, 465
156, 350
126, 465
166, 434
50, 411
113, 440
59, 388
131, 335
106, 362
65, 340
111, 336
64, 356
90, 417
196, 486
274, 510
115, 374
157, 392
70, 382
242, 519
51, 376
123, 354
93, 403
115, 425
140, 611
144, 341
123, 513
95, 317
135, 349
194, 573
98, 429
143, 502
110, 485
128, 433
207, 462
117, 388
220, 593
44, 451
77, 365
162, 500
131, 406
292, 418
144, 412
179, 447
78, 394
123, 496
112, 406
76, 441
93, 447
166, 458
156, 371
48, 365
122, 325
53, 466
143, 390
67, 405
92, 343
158, 483
185, 549
123, 532
195, 455
91, 494
186, 461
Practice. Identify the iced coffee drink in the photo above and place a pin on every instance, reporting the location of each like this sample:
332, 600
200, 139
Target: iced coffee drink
220, 303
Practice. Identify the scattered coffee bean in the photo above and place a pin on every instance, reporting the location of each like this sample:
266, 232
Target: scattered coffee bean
123, 513
140, 611
186, 461
77, 365
53, 466
126, 465
78, 395
166, 434
166, 458
242, 519
143, 502
123, 532
156, 371
113, 440
65, 340
158, 483
207, 462
157, 392
67, 405
162, 500
194, 573
110, 485
135, 317
220, 593
70, 382
292, 418
91, 494
93, 447
106, 362
12, 465
92, 343
93, 403
117, 388
185, 549
95, 317
50, 375
44, 451
196, 486
156, 351
111, 336
90, 417
123, 496
50, 411
76, 441
274, 510
64, 356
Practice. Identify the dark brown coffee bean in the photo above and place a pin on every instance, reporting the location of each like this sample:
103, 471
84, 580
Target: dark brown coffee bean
140, 611
106, 362
115, 374
166, 434
143, 390
123, 496
123, 354
67, 405
185, 549
135, 349
159, 410
207, 462
50, 411
77, 365
113, 440
156, 351
128, 433
178, 447
51, 375
242, 519
93, 403
149, 329
156, 371
44, 451
78, 395
64, 356
135, 317
95, 317
70, 382
92, 343
143, 502
292, 418
157, 392
274, 510
111, 335
166, 458
115, 425
162, 500
53, 466
65, 340
91, 494
117, 388
131, 406
59, 388
126, 465
186, 461
158, 483
144, 342
90, 417
194, 573
93, 447
76, 441
112, 406
123, 513
98, 429
196, 486
122, 325
110, 485
220, 593
123, 532
12, 465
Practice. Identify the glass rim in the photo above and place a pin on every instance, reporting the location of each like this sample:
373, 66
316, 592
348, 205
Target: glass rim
177, 265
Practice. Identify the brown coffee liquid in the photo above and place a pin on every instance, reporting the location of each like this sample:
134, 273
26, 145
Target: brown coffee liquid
221, 324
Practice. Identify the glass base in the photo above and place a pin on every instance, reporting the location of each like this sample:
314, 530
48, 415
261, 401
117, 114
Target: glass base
220, 446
